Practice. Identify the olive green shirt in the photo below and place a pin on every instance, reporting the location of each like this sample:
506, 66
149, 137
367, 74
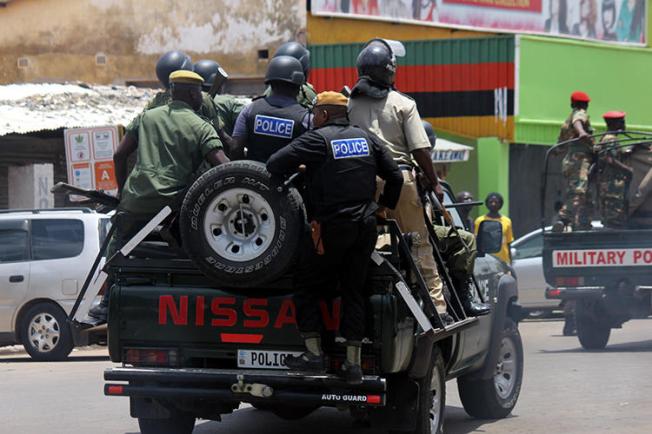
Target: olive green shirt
208, 111
228, 108
305, 97
395, 120
172, 143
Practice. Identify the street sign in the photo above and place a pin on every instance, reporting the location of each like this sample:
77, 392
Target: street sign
89, 157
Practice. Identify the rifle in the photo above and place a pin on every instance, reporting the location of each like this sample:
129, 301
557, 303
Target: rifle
429, 196
92, 195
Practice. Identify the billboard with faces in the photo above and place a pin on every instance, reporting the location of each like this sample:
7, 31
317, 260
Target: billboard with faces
612, 21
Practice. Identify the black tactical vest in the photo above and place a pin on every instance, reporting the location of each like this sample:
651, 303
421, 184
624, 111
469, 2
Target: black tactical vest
270, 128
345, 185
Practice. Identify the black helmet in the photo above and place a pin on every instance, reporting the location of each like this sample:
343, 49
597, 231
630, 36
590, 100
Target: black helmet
432, 136
285, 68
377, 60
170, 62
210, 70
298, 51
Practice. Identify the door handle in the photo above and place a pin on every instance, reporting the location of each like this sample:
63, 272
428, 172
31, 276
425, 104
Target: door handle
16, 279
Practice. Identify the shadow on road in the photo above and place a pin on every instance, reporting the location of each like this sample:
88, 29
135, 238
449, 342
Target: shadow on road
28, 359
628, 347
323, 421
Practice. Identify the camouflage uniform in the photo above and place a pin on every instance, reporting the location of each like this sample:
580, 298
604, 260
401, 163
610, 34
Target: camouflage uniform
578, 205
613, 183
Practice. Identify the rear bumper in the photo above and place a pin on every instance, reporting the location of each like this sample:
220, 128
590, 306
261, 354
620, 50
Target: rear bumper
574, 293
252, 386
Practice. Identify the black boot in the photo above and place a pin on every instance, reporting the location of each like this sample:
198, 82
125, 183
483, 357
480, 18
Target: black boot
306, 362
101, 311
351, 369
467, 297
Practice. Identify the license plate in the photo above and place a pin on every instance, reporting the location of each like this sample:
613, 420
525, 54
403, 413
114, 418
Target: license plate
264, 359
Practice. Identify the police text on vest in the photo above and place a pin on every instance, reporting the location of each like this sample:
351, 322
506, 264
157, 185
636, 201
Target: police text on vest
275, 127
350, 148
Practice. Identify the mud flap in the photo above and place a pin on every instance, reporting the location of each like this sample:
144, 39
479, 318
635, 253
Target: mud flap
400, 413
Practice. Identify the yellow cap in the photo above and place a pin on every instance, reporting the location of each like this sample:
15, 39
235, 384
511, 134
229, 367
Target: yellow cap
331, 98
186, 77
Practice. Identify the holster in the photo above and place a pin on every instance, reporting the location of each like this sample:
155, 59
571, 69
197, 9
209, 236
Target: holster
315, 233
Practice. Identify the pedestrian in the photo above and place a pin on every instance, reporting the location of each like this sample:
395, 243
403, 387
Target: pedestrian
576, 132
171, 142
393, 117
271, 122
342, 162
494, 202
306, 94
640, 189
167, 64
465, 211
614, 175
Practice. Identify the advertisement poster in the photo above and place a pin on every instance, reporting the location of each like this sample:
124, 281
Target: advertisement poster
89, 155
613, 21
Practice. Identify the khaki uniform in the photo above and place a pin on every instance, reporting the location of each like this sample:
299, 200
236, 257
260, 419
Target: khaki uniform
578, 206
612, 183
640, 189
208, 111
228, 108
172, 143
397, 124
305, 97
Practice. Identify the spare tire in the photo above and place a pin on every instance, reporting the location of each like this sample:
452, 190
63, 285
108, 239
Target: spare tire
238, 226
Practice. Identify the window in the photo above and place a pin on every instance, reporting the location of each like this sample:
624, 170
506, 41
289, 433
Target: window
530, 248
13, 245
55, 239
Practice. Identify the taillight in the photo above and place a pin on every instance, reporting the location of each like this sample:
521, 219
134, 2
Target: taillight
569, 281
151, 357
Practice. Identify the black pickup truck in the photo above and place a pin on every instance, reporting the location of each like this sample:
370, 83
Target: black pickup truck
606, 272
190, 348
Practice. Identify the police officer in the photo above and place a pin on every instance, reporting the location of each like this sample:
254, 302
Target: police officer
613, 175
271, 122
342, 162
174, 61
306, 93
393, 117
171, 142
228, 107
459, 250
578, 206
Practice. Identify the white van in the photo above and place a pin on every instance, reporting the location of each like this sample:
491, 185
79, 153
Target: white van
44, 258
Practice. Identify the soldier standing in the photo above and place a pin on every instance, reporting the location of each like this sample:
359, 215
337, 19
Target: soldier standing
578, 206
640, 189
613, 175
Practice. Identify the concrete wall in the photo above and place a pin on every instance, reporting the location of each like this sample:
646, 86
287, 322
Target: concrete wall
54, 40
29, 186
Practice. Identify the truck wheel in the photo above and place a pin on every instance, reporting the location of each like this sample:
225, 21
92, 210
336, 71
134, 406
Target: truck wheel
45, 333
432, 399
176, 424
237, 227
495, 398
593, 334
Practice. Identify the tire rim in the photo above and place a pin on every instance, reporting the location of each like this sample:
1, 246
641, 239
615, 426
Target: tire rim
44, 332
506, 368
435, 409
239, 224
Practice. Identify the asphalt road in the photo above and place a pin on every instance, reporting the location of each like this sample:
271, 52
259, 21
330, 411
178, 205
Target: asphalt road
565, 389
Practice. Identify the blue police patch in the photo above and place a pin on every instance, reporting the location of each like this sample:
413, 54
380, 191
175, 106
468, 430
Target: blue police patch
275, 127
350, 148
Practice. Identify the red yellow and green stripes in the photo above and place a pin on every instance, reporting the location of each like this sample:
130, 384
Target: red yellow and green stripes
447, 78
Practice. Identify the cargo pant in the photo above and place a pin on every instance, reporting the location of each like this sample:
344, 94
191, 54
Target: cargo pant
578, 206
460, 263
612, 194
409, 216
